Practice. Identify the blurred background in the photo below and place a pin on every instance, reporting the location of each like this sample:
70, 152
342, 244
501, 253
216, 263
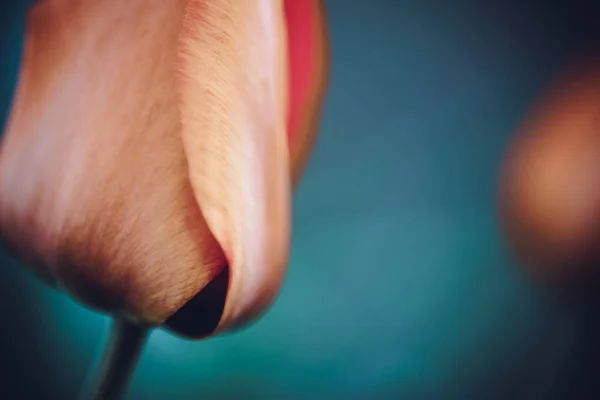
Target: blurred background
399, 283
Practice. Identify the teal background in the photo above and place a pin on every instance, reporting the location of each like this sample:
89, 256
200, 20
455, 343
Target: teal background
399, 284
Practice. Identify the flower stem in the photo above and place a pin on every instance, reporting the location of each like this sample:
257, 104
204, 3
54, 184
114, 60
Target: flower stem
118, 362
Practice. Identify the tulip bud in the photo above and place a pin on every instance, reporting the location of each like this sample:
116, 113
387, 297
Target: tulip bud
145, 167
550, 197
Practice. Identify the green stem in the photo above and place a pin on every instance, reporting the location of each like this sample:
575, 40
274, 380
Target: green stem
118, 362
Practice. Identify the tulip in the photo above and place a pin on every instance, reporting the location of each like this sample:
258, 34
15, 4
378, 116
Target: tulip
550, 186
148, 161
